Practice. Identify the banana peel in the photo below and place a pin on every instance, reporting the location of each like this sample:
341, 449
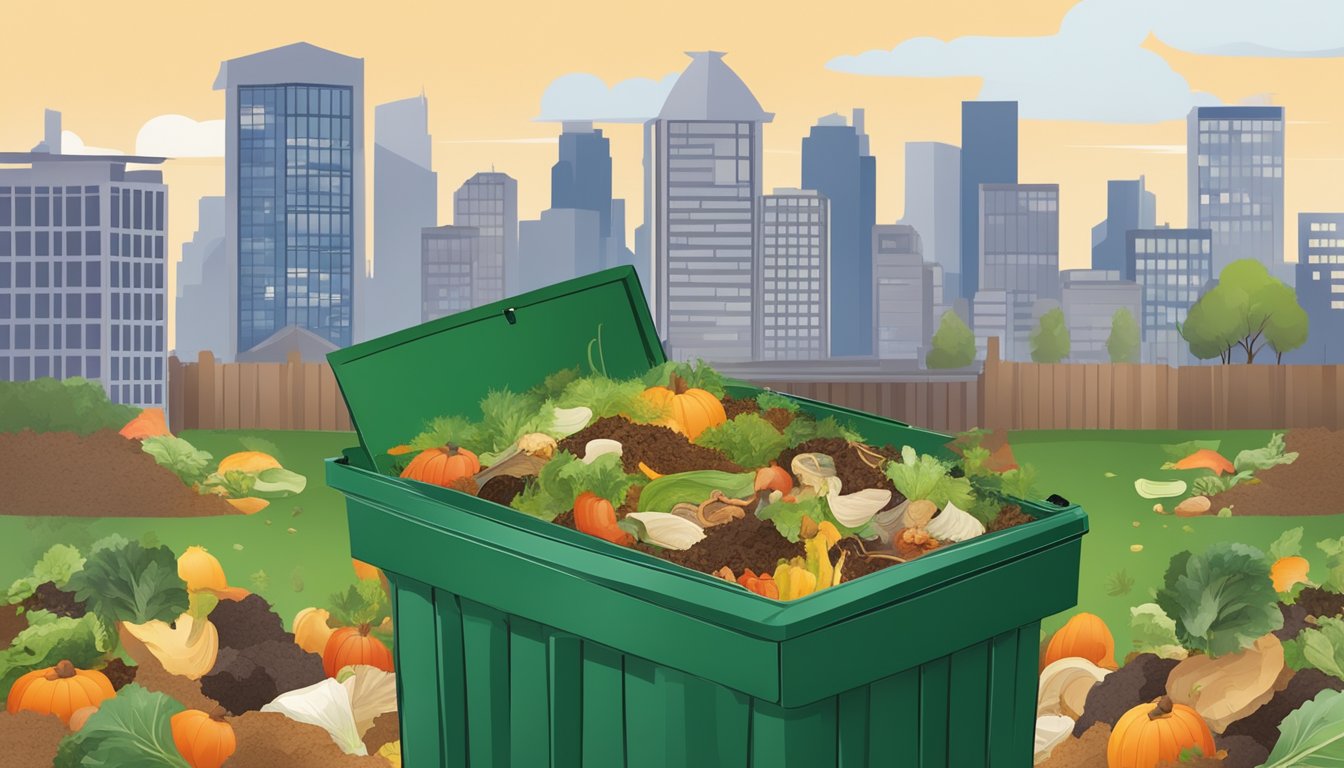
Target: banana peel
800, 577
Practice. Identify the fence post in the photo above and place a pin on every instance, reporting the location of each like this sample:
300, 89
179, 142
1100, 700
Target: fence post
174, 393
989, 383
207, 393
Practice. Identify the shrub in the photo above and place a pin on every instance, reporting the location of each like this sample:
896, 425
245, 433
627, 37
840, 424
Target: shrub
48, 405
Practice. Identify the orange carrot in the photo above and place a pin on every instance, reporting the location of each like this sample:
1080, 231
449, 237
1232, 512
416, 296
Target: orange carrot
1206, 459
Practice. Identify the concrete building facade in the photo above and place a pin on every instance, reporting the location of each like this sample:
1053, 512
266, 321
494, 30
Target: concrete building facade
449, 258
488, 202
1172, 268
1090, 299
1320, 286
793, 320
902, 293
933, 206
988, 156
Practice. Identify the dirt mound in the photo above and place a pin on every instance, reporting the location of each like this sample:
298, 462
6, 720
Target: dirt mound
269, 739
386, 728
1312, 485
1320, 603
660, 448
98, 475
502, 489
1141, 679
30, 739
1262, 725
11, 624
1086, 751
736, 406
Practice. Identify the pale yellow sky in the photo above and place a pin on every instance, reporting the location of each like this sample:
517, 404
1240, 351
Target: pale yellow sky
484, 67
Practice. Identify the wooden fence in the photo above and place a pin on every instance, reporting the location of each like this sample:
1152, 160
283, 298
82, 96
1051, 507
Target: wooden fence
298, 395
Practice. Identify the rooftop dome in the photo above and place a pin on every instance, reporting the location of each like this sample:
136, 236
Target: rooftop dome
710, 90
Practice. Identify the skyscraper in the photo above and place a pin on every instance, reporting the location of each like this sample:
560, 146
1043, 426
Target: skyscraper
1320, 286
1172, 268
488, 201
988, 156
1128, 206
1091, 297
1234, 162
202, 286
793, 320
294, 191
902, 289
82, 270
449, 258
933, 205
1019, 238
562, 244
405, 201
703, 183
581, 178
836, 163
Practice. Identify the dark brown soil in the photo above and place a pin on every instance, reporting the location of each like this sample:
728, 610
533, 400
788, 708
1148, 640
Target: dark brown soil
386, 728
749, 542
1142, 679
1320, 603
29, 740
269, 739
1086, 751
854, 473
856, 565
49, 597
1311, 485
1242, 751
1294, 621
779, 418
1010, 516
502, 489
1193, 762
660, 448
99, 475
119, 673
1263, 724
11, 624
733, 406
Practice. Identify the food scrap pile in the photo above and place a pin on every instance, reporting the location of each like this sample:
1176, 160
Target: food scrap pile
753, 489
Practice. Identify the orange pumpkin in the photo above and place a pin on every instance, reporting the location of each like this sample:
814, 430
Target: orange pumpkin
148, 423
1288, 571
596, 516
1085, 636
442, 466
250, 462
59, 690
1152, 734
201, 570
353, 645
690, 411
205, 741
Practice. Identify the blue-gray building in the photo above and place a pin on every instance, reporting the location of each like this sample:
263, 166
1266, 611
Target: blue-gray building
1019, 239
294, 190
449, 258
581, 178
988, 156
793, 282
1320, 286
933, 205
1234, 162
488, 201
837, 163
1129, 205
202, 280
405, 201
1173, 268
580, 181
563, 243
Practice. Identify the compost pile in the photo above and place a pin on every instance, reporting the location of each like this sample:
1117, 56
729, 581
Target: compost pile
214, 674
1312, 483
748, 486
1238, 662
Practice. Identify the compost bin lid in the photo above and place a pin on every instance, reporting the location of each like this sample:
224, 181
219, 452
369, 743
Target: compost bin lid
393, 385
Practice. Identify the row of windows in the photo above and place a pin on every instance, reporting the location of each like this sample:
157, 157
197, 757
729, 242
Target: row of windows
43, 336
25, 274
23, 367
1259, 171
791, 202
1331, 258
51, 243
807, 314
1325, 242
137, 209
1324, 226
1184, 296
1175, 245
45, 306
136, 246
1240, 125
45, 211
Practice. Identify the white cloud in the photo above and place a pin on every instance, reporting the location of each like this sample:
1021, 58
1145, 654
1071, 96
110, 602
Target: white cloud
1095, 68
581, 96
72, 144
180, 136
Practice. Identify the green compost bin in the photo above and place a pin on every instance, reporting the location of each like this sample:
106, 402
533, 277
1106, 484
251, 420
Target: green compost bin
524, 643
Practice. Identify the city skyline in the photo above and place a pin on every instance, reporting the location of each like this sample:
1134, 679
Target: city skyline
481, 123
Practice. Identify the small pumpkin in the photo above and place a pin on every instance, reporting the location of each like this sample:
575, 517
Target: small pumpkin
1155, 733
148, 423
1288, 571
311, 630
442, 466
59, 690
1085, 636
205, 740
690, 410
596, 516
353, 645
201, 570
250, 462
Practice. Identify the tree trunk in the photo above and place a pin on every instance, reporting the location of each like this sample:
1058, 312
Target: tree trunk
1279, 355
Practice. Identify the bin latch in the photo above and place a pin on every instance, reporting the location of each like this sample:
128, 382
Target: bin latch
1057, 500
511, 316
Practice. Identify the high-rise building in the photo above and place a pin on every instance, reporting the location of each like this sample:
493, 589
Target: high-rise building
82, 270
449, 258
581, 178
1172, 268
988, 156
1129, 205
902, 289
1320, 286
564, 243
1234, 162
580, 181
1019, 238
837, 163
933, 206
294, 191
203, 286
794, 279
703, 190
488, 201
1091, 297
405, 201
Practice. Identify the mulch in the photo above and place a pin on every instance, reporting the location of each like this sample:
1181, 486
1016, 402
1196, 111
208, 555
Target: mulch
1311, 485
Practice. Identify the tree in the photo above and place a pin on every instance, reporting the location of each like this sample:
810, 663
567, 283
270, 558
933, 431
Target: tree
1210, 327
1288, 328
953, 344
1247, 310
1050, 340
1123, 343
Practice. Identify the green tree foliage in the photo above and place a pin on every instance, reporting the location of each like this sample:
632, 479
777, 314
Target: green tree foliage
1123, 343
953, 344
1050, 340
47, 405
1248, 310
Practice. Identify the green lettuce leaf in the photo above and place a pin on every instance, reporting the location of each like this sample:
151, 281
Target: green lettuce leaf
1263, 458
132, 583
1178, 451
925, 477
132, 728
565, 477
1289, 544
610, 397
747, 439
788, 516
769, 400
698, 375
694, 487
49, 639
1323, 647
1212, 484
178, 456
1334, 563
362, 603
1312, 736
1154, 632
804, 428
278, 483
1222, 599
57, 565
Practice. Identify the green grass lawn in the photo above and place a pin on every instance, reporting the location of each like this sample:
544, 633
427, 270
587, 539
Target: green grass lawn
1074, 465
305, 567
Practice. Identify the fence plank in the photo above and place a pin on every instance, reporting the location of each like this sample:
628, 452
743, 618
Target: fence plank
247, 395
